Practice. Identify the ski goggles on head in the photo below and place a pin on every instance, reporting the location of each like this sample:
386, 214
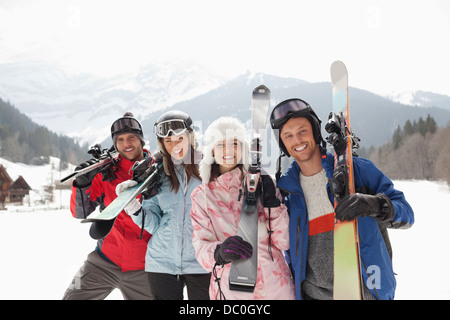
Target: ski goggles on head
163, 129
283, 109
126, 124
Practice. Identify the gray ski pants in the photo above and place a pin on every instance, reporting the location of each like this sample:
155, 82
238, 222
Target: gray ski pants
97, 278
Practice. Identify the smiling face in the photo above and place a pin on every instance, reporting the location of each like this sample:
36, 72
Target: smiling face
298, 138
177, 146
129, 146
228, 154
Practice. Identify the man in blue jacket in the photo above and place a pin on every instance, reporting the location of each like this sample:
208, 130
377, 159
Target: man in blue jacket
376, 205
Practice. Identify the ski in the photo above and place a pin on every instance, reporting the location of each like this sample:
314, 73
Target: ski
147, 173
102, 160
347, 272
243, 273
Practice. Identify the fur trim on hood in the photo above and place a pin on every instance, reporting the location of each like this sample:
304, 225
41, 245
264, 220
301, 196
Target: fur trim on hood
221, 129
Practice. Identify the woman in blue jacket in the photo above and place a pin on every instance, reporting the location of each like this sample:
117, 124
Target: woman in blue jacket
170, 259
376, 205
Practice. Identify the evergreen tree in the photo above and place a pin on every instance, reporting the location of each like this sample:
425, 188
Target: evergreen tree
397, 137
421, 127
430, 124
408, 128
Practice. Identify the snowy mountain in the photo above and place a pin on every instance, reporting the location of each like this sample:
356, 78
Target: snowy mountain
421, 99
374, 118
83, 106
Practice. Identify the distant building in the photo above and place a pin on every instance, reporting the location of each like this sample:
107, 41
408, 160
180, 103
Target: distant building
12, 192
18, 190
5, 183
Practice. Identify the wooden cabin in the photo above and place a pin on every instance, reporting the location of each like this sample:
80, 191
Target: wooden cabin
5, 183
12, 191
18, 190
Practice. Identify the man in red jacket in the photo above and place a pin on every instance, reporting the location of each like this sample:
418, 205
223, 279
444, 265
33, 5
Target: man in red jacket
118, 261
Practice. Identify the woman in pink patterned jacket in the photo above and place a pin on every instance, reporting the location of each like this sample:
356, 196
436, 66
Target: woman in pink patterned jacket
215, 214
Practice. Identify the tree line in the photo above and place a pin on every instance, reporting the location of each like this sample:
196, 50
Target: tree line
418, 150
22, 140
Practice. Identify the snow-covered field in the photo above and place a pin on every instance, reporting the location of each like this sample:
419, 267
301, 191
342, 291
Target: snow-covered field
421, 254
42, 246
42, 249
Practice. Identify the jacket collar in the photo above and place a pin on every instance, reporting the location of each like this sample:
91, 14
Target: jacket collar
229, 179
289, 181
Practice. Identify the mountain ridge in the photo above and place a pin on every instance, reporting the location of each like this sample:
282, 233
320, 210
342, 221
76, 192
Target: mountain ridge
83, 106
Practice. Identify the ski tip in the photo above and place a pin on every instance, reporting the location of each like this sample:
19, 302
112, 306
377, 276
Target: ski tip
338, 63
338, 67
100, 229
338, 72
261, 89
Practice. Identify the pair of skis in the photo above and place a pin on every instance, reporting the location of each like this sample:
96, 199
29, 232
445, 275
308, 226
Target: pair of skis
147, 173
243, 273
104, 159
347, 269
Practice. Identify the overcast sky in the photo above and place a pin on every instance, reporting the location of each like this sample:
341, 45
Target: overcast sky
391, 45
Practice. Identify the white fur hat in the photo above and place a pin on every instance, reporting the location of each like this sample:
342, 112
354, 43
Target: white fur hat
221, 129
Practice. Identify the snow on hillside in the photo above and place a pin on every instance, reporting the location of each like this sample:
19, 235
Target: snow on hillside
420, 99
83, 106
42, 246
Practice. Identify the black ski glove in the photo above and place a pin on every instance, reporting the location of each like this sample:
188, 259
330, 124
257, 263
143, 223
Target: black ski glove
269, 196
233, 248
85, 180
356, 205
